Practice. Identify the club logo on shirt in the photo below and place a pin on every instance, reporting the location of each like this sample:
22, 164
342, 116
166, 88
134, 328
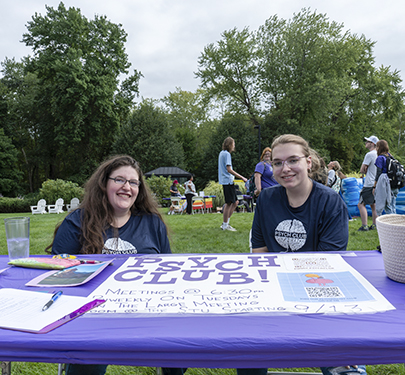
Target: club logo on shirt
291, 234
118, 246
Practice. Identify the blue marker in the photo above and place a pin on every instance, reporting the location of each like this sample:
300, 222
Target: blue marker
52, 300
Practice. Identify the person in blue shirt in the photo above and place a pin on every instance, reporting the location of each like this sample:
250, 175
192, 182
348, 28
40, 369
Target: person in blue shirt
264, 172
117, 216
226, 176
299, 214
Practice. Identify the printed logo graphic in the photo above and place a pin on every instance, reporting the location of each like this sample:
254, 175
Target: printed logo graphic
317, 279
118, 246
291, 234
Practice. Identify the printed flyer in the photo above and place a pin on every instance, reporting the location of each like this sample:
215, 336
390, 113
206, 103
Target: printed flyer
238, 283
72, 276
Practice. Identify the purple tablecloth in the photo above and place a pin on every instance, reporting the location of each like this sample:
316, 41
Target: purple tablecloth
217, 341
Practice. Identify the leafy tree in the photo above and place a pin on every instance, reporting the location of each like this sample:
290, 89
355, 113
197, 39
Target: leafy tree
20, 90
185, 111
148, 138
306, 76
9, 174
228, 71
80, 104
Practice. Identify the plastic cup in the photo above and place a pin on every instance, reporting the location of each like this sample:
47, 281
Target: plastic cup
18, 237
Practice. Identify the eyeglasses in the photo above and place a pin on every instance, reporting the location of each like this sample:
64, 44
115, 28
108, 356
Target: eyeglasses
291, 162
123, 181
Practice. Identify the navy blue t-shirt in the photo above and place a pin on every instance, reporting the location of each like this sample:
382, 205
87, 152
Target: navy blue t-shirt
321, 223
142, 234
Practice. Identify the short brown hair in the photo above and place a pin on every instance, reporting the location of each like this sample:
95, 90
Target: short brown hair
292, 138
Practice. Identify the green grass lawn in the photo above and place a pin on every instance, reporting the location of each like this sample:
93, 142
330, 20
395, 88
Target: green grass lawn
188, 234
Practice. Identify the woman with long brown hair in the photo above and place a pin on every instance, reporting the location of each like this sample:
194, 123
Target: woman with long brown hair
117, 216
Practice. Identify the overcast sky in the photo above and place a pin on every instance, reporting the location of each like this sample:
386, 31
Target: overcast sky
166, 37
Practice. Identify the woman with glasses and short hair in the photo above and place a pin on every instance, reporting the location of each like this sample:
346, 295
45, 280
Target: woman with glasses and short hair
117, 216
299, 214
304, 214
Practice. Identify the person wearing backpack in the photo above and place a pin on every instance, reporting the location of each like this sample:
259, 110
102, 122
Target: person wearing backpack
384, 196
263, 175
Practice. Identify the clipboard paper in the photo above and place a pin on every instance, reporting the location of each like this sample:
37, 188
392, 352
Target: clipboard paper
21, 310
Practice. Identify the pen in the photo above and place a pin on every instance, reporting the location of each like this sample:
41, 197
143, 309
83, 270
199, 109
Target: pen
52, 300
83, 261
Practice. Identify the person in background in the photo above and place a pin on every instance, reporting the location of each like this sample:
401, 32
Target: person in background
368, 169
264, 172
384, 196
226, 176
335, 177
118, 215
299, 214
174, 192
318, 171
334, 180
189, 193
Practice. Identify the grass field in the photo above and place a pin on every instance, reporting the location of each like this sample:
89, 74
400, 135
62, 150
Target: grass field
188, 234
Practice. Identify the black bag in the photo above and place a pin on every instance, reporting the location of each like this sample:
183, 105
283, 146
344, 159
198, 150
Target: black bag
395, 172
250, 184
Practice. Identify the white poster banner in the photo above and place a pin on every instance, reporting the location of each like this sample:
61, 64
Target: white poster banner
238, 283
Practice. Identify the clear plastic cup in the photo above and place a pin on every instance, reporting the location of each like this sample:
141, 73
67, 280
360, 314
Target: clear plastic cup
18, 237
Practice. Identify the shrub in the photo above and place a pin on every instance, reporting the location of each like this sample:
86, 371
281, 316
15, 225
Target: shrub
214, 188
160, 188
15, 205
53, 189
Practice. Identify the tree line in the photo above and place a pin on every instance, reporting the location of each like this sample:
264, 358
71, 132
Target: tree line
66, 107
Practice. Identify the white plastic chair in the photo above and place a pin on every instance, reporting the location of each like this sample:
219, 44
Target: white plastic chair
179, 204
40, 208
74, 203
56, 208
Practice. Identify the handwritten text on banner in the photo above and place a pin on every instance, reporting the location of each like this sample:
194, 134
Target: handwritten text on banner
238, 283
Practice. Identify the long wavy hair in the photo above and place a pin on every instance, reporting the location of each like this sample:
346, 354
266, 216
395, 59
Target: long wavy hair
97, 212
382, 147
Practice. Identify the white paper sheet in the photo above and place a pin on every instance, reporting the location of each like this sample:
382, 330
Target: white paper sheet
305, 283
22, 309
